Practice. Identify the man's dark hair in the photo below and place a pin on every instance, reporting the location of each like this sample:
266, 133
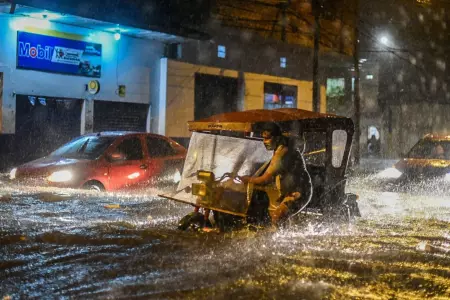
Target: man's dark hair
273, 128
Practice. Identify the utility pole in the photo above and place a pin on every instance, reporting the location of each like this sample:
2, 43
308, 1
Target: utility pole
12, 9
316, 85
356, 96
283, 20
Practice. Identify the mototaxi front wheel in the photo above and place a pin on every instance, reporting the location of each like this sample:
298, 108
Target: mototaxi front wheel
194, 220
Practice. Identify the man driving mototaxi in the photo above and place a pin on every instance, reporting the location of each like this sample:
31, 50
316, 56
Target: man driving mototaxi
287, 169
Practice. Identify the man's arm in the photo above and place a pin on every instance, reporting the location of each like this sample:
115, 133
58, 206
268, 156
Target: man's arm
263, 179
272, 170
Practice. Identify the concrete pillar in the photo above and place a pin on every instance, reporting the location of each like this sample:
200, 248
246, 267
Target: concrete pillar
7, 103
148, 125
162, 101
87, 116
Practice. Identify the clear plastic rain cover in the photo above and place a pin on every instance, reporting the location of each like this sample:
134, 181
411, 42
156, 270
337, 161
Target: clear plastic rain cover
220, 154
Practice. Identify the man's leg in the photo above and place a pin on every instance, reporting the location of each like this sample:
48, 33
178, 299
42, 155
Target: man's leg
285, 209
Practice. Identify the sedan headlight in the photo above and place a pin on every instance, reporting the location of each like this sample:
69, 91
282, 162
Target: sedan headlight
12, 174
60, 176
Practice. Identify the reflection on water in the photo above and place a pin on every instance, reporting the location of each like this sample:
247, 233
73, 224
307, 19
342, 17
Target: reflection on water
86, 245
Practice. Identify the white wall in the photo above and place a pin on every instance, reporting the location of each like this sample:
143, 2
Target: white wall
129, 61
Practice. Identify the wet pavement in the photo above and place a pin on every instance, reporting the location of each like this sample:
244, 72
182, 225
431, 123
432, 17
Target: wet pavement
83, 245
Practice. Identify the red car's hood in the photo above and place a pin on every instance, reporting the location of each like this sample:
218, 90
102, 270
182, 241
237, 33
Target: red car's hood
44, 166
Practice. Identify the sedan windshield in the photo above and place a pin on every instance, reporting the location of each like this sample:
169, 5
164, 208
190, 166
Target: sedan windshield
428, 149
88, 147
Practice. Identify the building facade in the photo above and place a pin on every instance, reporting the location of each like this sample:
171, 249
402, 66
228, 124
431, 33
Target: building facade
129, 79
46, 98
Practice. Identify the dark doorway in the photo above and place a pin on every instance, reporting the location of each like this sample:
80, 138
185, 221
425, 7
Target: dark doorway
214, 95
109, 116
43, 124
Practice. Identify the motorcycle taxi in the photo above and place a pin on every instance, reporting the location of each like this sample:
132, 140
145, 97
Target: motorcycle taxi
226, 146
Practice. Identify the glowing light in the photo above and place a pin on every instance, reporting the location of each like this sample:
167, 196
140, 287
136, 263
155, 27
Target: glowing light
60, 176
134, 175
391, 173
199, 189
20, 23
426, 2
117, 36
384, 40
12, 174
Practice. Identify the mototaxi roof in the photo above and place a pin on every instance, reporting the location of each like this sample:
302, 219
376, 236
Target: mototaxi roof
291, 120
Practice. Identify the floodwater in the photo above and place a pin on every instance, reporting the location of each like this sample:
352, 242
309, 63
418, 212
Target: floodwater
73, 244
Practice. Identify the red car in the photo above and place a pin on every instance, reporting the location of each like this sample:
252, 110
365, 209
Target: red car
107, 161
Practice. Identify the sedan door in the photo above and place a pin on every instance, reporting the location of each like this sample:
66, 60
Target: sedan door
128, 167
165, 161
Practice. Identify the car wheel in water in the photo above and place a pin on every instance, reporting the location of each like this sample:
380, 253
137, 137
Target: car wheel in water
94, 186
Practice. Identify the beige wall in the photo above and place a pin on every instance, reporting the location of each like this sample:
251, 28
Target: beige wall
180, 93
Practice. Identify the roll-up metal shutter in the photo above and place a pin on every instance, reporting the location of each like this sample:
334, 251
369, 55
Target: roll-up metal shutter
111, 116
43, 124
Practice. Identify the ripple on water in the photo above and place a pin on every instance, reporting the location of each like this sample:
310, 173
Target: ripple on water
78, 247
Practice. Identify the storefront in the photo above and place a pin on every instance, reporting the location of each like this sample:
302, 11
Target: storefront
195, 92
59, 81
69, 75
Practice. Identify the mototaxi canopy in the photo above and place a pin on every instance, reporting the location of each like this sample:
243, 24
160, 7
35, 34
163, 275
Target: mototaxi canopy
250, 120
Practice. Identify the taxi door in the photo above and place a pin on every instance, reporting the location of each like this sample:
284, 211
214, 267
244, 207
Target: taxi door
128, 167
164, 161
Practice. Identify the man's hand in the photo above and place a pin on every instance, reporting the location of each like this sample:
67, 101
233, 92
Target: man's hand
244, 179
290, 197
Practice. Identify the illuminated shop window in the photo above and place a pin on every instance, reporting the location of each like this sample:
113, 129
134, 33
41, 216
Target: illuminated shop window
279, 95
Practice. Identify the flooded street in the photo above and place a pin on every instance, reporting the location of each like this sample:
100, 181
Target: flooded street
72, 244
257, 110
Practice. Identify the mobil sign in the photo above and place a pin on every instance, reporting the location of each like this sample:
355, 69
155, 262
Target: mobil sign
39, 52
59, 55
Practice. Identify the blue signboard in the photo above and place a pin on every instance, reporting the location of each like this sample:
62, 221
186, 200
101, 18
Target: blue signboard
59, 55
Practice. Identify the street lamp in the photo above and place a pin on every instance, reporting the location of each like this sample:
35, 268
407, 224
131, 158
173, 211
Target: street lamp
384, 40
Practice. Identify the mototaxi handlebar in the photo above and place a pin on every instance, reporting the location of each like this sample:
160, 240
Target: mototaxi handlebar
229, 175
